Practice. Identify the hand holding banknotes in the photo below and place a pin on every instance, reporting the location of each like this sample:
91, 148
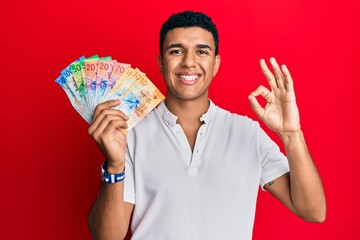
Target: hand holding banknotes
91, 81
105, 130
281, 112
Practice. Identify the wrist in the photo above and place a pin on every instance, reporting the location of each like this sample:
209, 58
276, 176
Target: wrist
115, 168
291, 136
110, 178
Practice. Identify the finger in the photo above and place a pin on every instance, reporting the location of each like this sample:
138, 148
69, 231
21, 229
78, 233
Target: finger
105, 105
278, 74
115, 124
289, 84
106, 114
109, 124
263, 91
116, 128
268, 74
100, 125
98, 118
255, 105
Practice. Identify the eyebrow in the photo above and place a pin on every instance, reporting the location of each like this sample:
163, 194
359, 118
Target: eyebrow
178, 45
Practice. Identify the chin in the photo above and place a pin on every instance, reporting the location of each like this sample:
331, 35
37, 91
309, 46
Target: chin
194, 96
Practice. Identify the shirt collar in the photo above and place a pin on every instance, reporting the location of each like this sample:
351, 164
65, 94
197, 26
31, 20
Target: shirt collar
210, 114
170, 118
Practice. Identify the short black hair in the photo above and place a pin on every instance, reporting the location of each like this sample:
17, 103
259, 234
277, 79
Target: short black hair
189, 19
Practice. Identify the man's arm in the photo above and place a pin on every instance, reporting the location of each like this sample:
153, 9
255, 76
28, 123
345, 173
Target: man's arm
110, 216
300, 190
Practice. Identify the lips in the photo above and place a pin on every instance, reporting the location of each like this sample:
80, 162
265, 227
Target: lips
188, 78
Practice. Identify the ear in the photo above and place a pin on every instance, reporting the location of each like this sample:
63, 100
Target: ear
217, 65
160, 64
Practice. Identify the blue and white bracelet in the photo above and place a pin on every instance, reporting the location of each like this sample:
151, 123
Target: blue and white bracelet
111, 178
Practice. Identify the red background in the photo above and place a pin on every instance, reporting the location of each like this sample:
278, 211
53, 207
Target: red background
50, 166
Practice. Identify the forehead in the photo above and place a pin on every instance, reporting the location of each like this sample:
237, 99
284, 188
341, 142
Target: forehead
189, 36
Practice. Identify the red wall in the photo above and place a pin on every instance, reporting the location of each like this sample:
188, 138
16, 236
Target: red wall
50, 166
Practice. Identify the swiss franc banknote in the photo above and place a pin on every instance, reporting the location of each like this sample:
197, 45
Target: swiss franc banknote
90, 81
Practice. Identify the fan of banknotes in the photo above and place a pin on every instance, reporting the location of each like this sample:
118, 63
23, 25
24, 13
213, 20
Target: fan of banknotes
90, 81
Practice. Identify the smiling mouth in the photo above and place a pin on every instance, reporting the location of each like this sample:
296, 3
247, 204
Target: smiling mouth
188, 77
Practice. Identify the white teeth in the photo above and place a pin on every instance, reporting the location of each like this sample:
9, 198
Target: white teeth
188, 77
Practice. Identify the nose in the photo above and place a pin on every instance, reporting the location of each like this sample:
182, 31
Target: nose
188, 60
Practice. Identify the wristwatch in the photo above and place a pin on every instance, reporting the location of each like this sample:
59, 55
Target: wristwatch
111, 178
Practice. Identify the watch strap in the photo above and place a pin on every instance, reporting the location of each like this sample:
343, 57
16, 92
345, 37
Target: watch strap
109, 178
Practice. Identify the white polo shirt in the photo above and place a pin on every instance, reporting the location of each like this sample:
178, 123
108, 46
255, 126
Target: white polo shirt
206, 194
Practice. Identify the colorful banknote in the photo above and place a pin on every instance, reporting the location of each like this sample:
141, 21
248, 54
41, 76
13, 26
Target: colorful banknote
104, 71
90, 81
61, 80
139, 99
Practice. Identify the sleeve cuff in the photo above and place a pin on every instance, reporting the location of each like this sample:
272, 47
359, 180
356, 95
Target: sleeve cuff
130, 198
273, 175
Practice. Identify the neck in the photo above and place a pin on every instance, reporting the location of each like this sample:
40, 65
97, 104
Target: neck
189, 112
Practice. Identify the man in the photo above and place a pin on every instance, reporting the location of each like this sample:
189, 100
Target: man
192, 168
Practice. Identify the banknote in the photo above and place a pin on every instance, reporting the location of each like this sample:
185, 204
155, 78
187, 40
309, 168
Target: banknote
94, 82
124, 83
118, 70
79, 80
120, 85
139, 99
105, 68
70, 81
90, 81
61, 80
77, 69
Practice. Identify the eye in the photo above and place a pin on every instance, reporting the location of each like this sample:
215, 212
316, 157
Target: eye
202, 52
175, 52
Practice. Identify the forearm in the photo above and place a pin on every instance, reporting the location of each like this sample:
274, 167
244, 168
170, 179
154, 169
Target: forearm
108, 217
306, 190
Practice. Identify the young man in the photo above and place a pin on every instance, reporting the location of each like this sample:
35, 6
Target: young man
193, 169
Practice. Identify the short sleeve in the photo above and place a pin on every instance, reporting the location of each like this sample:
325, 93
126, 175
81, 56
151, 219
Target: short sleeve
129, 182
273, 162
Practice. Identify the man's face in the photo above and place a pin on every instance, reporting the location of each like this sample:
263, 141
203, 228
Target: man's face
188, 63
